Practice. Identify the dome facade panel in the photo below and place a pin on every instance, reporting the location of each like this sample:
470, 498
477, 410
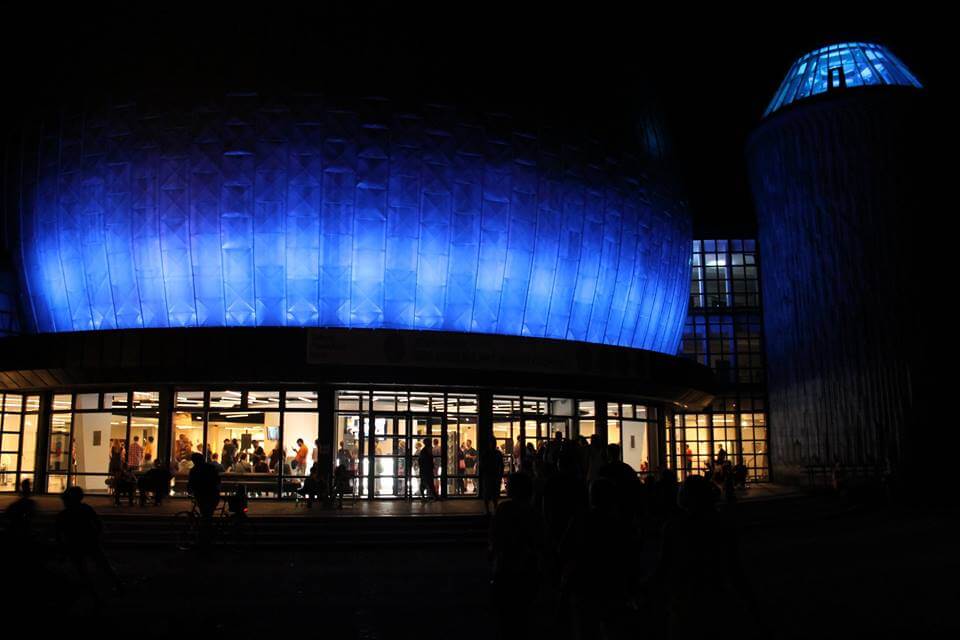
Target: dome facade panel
249, 212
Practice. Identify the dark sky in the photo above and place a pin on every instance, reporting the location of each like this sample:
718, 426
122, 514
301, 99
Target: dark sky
711, 72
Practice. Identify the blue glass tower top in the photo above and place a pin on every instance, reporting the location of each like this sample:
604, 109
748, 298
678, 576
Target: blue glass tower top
850, 64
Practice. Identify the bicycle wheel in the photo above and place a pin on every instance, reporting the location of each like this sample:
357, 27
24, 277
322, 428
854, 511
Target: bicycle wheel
187, 526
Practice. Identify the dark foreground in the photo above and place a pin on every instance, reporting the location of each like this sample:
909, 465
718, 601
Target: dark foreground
820, 568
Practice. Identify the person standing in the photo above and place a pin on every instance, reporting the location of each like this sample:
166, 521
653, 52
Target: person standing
259, 456
552, 453
461, 469
688, 460
115, 469
425, 463
345, 460
437, 459
115, 465
301, 451
401, 486
491, 477
148, 450
135, 455
276, 458
343, 456
470, 464
229, 454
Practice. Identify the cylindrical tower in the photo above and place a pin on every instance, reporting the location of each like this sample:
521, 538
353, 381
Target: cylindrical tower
836, 172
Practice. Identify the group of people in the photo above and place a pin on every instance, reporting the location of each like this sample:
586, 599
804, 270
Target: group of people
720, 469
234, 458
137, 470
139, 454
424, 467
572, 528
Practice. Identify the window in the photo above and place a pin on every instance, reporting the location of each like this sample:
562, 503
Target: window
633, 427
524, 424
18, 439
727, 337
94, 436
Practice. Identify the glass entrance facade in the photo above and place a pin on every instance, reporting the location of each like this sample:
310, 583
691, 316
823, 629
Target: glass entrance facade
523, 425
269, 439
380, 436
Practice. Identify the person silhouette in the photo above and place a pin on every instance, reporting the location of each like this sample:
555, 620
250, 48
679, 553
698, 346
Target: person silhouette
314, 488
341, 483
20, 517
515, 544
700, 547
425, 463
78, 534
203, 484
26, 558
156, 480
626, 482
596, 589
490, 477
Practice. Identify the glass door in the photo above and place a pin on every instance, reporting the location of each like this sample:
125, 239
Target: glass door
460, 470
536, 438
506, 435
350, 451
427, 431
390, 456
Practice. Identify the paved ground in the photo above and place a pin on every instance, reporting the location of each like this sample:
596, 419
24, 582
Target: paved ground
352, 508
821, 567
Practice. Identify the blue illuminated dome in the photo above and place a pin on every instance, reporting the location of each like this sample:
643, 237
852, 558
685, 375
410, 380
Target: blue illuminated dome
851, 64
250, 212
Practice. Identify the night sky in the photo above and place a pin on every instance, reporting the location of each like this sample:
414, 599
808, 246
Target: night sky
711, 73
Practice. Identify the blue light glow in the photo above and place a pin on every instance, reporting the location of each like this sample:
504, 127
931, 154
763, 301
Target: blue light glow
851, 64
253, 213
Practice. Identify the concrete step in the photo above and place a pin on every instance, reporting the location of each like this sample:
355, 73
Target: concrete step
299, 531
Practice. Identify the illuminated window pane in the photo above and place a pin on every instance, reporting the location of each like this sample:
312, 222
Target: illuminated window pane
263, 399
115, 400
189, 399
62, 402
146, 400
225, 399
13, 402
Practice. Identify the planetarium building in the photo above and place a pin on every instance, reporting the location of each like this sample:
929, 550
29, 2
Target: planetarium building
334, 281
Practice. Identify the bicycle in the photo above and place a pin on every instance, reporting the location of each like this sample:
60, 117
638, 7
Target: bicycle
229, 526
